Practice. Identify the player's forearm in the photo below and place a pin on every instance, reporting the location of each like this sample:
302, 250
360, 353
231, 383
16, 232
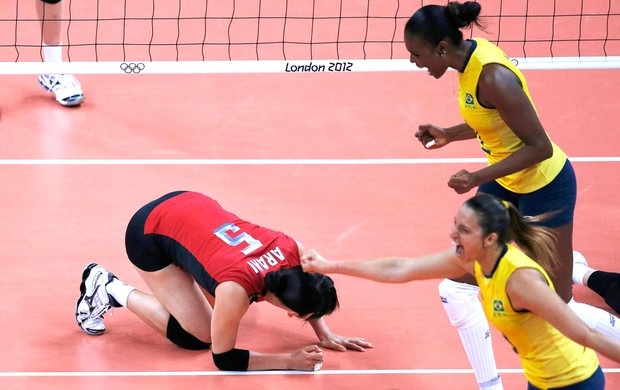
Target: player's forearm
385, 270
460, 132
442, 264
518, 161
260, 361
603, 345
320, 327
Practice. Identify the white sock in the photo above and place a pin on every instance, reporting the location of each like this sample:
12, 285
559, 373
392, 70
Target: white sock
52, 53
461, 303
597, 319
580, 268
119, 291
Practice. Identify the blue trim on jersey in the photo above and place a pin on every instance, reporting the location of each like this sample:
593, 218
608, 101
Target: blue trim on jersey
474, 44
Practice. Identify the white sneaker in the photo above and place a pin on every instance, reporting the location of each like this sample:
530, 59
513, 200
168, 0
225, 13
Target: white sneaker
580, 267
94, 300
66, 88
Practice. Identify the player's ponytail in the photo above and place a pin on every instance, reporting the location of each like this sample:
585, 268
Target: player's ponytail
502, 218
463, 15
275, 282
304, 293
434, 23
538, 242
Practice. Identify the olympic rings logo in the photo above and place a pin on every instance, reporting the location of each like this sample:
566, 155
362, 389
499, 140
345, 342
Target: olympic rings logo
132, 67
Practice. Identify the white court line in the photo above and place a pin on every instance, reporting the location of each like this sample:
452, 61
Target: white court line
235, 373
250, 161
318, 161
280, 66
259, 373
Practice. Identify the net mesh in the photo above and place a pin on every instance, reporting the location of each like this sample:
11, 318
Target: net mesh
299, 30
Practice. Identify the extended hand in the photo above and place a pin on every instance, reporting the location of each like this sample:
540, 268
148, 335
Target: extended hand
340, 343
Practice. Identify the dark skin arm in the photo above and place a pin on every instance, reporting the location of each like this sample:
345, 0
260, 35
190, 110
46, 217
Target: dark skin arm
443, 136
501, 89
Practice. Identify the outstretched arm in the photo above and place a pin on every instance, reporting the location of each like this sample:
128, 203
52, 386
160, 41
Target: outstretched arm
528, 290
391, 270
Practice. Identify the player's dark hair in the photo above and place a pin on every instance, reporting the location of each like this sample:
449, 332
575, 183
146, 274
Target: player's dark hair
502, 218
304, 293
434, 23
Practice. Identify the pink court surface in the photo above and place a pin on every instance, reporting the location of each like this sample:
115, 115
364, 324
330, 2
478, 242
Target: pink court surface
329, 159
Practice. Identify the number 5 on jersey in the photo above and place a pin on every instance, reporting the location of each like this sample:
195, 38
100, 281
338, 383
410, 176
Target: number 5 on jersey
252, 243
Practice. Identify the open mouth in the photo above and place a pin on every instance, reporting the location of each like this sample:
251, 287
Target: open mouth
458, 248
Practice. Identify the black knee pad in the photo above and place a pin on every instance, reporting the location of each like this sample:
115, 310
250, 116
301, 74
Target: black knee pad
607, 285
612, 296
51, 1
182, 338
233, 360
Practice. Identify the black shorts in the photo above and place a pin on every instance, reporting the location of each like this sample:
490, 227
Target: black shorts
558, 198
153, 252
147, 251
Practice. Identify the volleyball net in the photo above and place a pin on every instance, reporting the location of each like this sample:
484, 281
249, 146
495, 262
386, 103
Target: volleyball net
212, 36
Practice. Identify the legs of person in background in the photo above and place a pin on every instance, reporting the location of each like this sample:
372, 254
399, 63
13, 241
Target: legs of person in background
605, 284
563, 278
65, 87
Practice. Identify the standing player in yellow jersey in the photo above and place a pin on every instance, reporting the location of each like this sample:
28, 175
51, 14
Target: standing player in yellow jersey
524, 166
518, 295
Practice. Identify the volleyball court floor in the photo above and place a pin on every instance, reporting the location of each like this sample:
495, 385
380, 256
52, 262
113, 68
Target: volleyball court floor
307, 154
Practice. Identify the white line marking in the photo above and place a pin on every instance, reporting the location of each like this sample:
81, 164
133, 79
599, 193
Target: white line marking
318, 161
280, 66
260, 373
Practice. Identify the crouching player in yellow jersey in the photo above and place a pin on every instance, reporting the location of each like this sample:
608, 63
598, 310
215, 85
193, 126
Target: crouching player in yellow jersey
555, 346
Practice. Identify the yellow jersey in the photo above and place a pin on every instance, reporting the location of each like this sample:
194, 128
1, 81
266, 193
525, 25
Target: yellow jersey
497, 140
549, 358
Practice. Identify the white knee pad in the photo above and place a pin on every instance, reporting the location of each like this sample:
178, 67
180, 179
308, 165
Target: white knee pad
460, 300
461, 303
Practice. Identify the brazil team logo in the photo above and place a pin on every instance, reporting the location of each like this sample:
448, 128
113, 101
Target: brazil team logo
469, 99
498, 307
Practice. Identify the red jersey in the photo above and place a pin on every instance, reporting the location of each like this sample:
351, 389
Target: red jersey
216, 246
